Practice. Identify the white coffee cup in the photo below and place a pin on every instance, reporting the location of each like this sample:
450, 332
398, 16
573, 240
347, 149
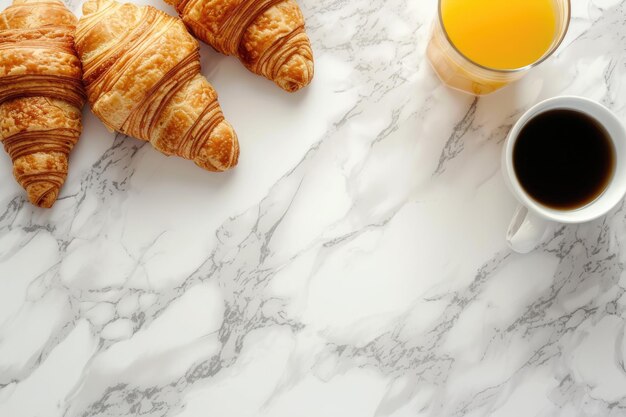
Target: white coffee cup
532, 219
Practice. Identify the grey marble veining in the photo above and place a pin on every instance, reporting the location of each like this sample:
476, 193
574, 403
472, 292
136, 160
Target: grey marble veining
354, 264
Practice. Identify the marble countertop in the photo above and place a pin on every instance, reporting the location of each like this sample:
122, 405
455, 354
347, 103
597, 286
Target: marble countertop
353, 264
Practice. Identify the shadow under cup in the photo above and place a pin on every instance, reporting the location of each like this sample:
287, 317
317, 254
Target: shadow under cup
461, 73
614, 191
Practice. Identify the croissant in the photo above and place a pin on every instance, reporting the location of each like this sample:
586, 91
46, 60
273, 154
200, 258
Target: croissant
141, 71
267, 36
41, 94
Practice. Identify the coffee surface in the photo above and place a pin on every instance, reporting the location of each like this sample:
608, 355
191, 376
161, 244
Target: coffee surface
564, 159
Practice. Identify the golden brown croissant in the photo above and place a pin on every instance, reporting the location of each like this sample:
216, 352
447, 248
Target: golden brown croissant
142, 77
267, 35
41, 94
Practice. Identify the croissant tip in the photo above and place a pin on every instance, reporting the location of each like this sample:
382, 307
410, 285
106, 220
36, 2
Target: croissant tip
295, 73
43, 195
223, 152
291, 86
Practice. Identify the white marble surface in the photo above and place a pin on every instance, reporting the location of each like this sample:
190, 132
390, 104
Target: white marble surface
354, 264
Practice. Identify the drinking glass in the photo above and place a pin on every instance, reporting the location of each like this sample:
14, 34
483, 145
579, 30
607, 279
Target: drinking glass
461, 73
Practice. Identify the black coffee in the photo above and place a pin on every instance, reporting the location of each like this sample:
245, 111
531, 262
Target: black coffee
564, 159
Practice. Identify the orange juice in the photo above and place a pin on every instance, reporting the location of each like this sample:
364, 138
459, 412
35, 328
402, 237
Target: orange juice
501, 34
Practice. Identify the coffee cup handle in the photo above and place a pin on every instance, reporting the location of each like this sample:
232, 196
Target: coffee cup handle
526, 230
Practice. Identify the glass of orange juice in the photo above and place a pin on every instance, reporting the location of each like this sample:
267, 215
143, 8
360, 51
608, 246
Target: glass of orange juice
479, 46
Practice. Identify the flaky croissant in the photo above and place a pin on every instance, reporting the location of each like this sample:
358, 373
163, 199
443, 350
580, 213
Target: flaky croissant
141, 71
266, 35
41, 94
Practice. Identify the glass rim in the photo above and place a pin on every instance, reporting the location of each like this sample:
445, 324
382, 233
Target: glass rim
545, 56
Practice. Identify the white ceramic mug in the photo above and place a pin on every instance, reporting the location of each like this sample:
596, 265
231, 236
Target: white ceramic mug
532, 219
